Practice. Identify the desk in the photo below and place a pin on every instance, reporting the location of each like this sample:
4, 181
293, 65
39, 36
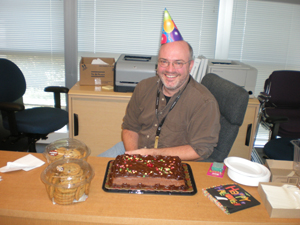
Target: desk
96, 116
24, 201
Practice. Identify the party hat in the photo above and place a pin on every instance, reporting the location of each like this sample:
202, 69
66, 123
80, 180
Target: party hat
170, 33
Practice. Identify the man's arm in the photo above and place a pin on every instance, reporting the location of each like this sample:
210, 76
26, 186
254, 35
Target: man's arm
130, 139
185, 152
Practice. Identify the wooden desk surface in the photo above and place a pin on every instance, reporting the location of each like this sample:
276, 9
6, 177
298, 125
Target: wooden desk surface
78, 89
23, 200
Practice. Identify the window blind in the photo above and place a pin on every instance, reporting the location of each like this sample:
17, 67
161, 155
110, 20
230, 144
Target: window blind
32, 36
265, 35
134, 26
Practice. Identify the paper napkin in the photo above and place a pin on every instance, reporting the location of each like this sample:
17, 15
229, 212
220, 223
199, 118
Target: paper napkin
99, 62
284, 197
25, 163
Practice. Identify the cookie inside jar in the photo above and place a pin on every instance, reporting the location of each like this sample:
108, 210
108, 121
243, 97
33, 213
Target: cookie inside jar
67, 181
66, 148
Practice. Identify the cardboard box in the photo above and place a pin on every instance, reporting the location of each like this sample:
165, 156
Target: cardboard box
96, 74
276, 213
282, 171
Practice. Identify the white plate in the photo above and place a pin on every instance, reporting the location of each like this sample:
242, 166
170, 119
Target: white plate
244, 166
249, 181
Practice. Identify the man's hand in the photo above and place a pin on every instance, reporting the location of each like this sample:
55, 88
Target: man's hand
142, 151
130, 140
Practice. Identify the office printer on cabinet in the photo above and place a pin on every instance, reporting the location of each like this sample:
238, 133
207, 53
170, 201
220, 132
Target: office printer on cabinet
234, 71
131, 69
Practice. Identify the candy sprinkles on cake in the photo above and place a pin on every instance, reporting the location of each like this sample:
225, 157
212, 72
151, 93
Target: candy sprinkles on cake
162, 168
137, 171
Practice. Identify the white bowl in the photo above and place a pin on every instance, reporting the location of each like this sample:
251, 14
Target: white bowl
247, 180
244, 166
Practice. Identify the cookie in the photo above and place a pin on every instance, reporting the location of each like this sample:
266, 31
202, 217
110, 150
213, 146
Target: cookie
53, 180
60, 198
57, 153
67, 183
73, 153
87, 188
71, 169
79, 192
64, 196
65, 190
63, 202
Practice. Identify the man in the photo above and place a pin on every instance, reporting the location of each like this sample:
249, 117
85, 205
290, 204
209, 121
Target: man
171, 114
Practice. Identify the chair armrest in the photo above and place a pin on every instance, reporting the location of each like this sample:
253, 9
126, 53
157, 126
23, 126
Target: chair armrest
11, 106
263, 97
277, 119
56, 91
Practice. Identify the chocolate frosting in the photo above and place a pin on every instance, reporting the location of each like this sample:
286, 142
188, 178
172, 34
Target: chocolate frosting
168, 167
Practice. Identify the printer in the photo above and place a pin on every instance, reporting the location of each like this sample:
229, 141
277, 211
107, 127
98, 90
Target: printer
131, 69
234, 71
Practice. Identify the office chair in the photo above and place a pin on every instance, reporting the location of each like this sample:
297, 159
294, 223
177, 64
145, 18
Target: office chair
233, 102
280, 113
281, 104
35, 123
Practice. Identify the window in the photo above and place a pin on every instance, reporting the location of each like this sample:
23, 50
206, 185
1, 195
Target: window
265, 35
32, 36
134, 26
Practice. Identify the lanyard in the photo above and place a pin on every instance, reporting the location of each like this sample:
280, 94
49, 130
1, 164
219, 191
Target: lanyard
163, 120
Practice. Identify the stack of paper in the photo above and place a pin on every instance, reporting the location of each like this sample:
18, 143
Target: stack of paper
199, 69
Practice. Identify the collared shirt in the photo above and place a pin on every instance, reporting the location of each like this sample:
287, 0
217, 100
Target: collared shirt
194, 121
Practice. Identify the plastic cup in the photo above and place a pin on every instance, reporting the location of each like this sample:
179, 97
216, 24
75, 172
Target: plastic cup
296, 166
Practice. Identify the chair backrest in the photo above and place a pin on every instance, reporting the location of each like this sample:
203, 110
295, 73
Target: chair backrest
283, 87
233, 102
12, 81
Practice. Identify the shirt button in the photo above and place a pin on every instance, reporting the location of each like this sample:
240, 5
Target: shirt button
145, 147
155, 125
162, 99
160, 112
147, 136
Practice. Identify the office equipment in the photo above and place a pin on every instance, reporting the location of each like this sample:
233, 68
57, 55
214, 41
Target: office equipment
234, 71
199, 68
131, 69
232, 100
35, 123
281, 104
195, 68
202, 68
280, 113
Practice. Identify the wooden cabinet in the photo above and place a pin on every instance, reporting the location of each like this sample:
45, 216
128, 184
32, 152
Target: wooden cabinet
96, 114
243, 145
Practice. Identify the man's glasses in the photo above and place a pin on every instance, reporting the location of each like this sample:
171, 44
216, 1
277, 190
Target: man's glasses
177, 64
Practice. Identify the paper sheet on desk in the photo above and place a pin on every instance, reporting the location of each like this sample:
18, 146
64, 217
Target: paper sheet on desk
25, 163
284, 197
